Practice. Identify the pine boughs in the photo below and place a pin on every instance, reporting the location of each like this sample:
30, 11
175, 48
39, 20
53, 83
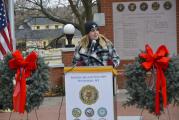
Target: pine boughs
6, 84
140, 85
36, 85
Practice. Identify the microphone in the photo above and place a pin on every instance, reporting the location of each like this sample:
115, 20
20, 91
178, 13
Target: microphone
93, 43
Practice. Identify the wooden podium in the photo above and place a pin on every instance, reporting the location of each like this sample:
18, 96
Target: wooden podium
90, 93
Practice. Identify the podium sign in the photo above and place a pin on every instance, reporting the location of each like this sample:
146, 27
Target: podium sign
89, 93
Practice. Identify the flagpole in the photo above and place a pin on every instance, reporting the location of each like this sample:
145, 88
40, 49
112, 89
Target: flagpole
11, 19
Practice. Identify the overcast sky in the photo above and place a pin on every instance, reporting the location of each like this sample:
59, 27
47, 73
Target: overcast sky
56, 2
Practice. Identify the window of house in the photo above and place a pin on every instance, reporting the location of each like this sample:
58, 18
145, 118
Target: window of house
38, 27
56, 26
47, 26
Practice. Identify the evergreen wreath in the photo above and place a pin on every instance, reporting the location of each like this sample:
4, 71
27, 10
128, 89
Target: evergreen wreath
36, 84
141, 84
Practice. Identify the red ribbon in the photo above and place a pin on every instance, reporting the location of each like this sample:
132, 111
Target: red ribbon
160, 61
24, 68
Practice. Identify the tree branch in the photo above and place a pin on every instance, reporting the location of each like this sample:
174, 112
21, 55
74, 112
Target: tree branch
81, 19
57, 19
33, 2
76, 12
29, 8
88, 9
99, 5
50, 16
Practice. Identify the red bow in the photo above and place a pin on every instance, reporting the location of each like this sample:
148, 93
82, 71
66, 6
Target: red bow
24, 68
160, 61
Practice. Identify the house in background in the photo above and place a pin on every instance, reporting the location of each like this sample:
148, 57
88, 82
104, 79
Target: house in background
39, 32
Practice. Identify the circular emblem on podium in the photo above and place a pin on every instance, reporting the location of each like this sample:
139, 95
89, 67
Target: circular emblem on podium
132, 7
120, 7
143, 6
102, 112
155, 5
89, 94
167, 5
89, 112
76, 112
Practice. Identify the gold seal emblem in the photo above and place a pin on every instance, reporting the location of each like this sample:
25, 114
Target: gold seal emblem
89, 94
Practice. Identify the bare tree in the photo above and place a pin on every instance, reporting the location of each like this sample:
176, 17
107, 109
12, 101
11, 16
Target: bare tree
76, 11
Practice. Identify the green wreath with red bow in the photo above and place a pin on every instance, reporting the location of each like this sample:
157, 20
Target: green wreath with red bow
23, 81
153, 80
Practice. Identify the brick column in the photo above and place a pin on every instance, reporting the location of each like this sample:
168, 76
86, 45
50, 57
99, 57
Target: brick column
56, 76
57, 72
67, 56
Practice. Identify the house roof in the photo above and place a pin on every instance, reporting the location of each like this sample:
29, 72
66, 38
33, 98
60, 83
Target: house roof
29, 34
41, 21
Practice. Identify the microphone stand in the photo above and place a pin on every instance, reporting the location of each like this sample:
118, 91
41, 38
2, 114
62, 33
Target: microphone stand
90, 50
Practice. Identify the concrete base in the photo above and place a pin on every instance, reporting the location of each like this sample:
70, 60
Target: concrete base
129, 118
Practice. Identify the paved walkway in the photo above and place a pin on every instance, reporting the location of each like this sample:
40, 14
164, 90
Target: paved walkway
50, 111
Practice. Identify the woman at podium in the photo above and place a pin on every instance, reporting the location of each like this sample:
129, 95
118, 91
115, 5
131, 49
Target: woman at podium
95, 49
